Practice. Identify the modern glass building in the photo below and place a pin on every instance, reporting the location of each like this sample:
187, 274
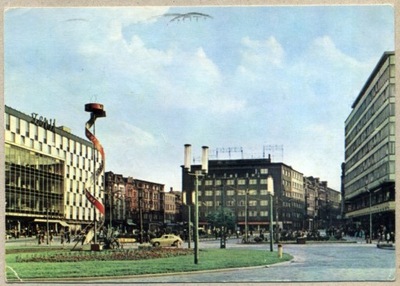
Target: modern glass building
369, 180
46, 168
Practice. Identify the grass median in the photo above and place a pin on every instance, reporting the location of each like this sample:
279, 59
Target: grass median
209, 259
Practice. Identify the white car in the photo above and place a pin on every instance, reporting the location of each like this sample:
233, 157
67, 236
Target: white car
167, 240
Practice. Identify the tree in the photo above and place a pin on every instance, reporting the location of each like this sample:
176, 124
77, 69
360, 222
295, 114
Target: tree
222, 218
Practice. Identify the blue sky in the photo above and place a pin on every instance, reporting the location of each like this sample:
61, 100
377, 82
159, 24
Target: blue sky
244, 77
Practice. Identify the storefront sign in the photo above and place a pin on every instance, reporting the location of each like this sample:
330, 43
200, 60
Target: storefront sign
49, 124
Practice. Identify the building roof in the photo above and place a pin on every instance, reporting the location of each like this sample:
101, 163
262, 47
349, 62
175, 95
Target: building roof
372, 75
58, 130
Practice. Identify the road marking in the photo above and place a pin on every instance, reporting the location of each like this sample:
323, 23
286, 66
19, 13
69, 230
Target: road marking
15, 273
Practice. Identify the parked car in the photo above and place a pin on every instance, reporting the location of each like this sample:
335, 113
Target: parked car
167, 240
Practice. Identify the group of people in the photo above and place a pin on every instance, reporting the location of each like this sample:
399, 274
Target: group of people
48, 238
42, 235
385, 235
65, 236
381, 234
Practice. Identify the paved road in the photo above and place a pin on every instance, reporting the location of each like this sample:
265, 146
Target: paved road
311, 263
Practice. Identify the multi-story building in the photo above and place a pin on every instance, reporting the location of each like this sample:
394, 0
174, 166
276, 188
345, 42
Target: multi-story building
241, 185
118, 190
323, 204
333, 210
168, 203
132, 203
369, 185
46, 168
311, 187
290, 197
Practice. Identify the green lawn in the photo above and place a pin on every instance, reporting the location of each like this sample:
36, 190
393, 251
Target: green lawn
209, 259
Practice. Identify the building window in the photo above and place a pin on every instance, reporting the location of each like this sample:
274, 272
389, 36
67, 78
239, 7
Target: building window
241, 192
7, 121
252, 203
209, 183
253, 181
230, 182
253, 192
18, 127
252, 213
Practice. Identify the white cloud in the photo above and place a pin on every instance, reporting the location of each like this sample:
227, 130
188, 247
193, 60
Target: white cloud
324, 47
120, 133
259, 53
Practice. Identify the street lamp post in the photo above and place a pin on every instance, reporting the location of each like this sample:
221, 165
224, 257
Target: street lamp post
270, 186
111, 195
189, 230
141, 215
47, 224
246, 214
370, 219
189, 225
370, 215
223, 229
196, 174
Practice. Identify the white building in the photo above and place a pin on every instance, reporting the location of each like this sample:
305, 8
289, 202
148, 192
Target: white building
46, 171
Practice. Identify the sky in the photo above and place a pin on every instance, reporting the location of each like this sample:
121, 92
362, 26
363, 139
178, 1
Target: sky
244, 78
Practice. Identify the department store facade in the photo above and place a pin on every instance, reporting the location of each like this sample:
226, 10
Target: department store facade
46, 168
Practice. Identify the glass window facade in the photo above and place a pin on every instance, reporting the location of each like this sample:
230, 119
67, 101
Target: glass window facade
34, 182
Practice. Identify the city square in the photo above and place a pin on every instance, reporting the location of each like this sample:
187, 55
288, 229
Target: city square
197, 131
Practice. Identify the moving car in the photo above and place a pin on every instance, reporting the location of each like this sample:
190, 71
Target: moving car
167, 240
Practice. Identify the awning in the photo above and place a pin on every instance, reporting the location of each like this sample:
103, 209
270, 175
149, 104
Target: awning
63, 223
383, 207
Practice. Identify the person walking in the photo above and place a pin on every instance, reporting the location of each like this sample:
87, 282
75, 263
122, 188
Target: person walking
388, 237
68, 234
62, 236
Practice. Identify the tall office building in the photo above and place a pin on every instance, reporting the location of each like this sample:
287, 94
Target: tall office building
369, 180
46, 168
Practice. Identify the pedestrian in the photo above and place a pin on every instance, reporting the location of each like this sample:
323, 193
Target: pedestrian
379, 236
68, 236
388, 237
